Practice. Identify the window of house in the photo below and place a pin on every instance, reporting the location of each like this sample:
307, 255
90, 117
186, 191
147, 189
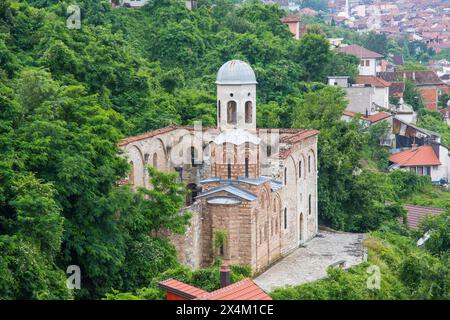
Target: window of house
248, 112
362, 63
231, 112
420, 171
428, 171
285, 218
367, 63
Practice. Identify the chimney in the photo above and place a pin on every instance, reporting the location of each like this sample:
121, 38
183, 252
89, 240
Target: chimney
224, 276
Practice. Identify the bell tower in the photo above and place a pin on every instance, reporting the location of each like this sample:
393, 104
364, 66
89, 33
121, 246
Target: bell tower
236, 96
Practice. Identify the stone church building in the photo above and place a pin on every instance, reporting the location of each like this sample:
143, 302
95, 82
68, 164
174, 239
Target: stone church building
254, 187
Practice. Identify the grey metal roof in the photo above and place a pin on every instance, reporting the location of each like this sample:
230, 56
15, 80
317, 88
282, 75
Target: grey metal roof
234, 190
236, 72
276, 185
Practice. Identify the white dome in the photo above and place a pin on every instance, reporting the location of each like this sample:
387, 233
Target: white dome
236, 72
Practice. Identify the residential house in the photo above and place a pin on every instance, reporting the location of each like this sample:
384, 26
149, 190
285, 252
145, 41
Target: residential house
293, 23
381, 89
369, 60
427, 81
431, 160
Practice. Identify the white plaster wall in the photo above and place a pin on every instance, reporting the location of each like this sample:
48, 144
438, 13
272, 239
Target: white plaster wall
370, 70
381, 97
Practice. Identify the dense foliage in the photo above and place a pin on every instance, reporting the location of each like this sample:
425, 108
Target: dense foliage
406, 271
67, 96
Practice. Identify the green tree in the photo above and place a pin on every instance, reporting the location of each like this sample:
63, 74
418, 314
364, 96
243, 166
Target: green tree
313, 52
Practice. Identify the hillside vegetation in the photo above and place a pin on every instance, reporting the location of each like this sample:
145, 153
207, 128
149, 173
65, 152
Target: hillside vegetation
67, 97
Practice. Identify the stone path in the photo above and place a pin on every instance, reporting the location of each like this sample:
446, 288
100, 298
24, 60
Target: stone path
310, 262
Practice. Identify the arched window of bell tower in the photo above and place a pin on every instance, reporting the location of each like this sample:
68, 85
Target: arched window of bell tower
248, 112
231, 112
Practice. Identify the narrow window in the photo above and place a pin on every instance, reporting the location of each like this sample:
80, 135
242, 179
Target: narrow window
300, 169
367, 63
309, 163
285, 176
229, 170
428, 171
231, 112
362, 63
285, 218
246, 167
309, 204
131, 175
155, 160
193, 156
248, 112
269, 150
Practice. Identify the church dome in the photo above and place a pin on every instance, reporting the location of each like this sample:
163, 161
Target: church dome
236, 72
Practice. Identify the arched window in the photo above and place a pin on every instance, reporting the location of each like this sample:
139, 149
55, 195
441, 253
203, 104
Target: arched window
285, 218
309, 163
131, 175
300, 169
246, 167
155, 160
309, 204
193, 156
285, 176
248, 112
231, 112
229, 170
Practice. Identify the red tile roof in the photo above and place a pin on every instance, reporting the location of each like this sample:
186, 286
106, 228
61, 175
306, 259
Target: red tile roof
291, 19
415, 214
377, 117
181, 289
295, 135
373, 81
372, 118
421, 156
242, 290
422, 77
359, 51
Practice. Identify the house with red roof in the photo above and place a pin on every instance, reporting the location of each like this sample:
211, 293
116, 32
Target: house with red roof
381, 89
242, 290
427, 81
293, 23
369, 60
430, 160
